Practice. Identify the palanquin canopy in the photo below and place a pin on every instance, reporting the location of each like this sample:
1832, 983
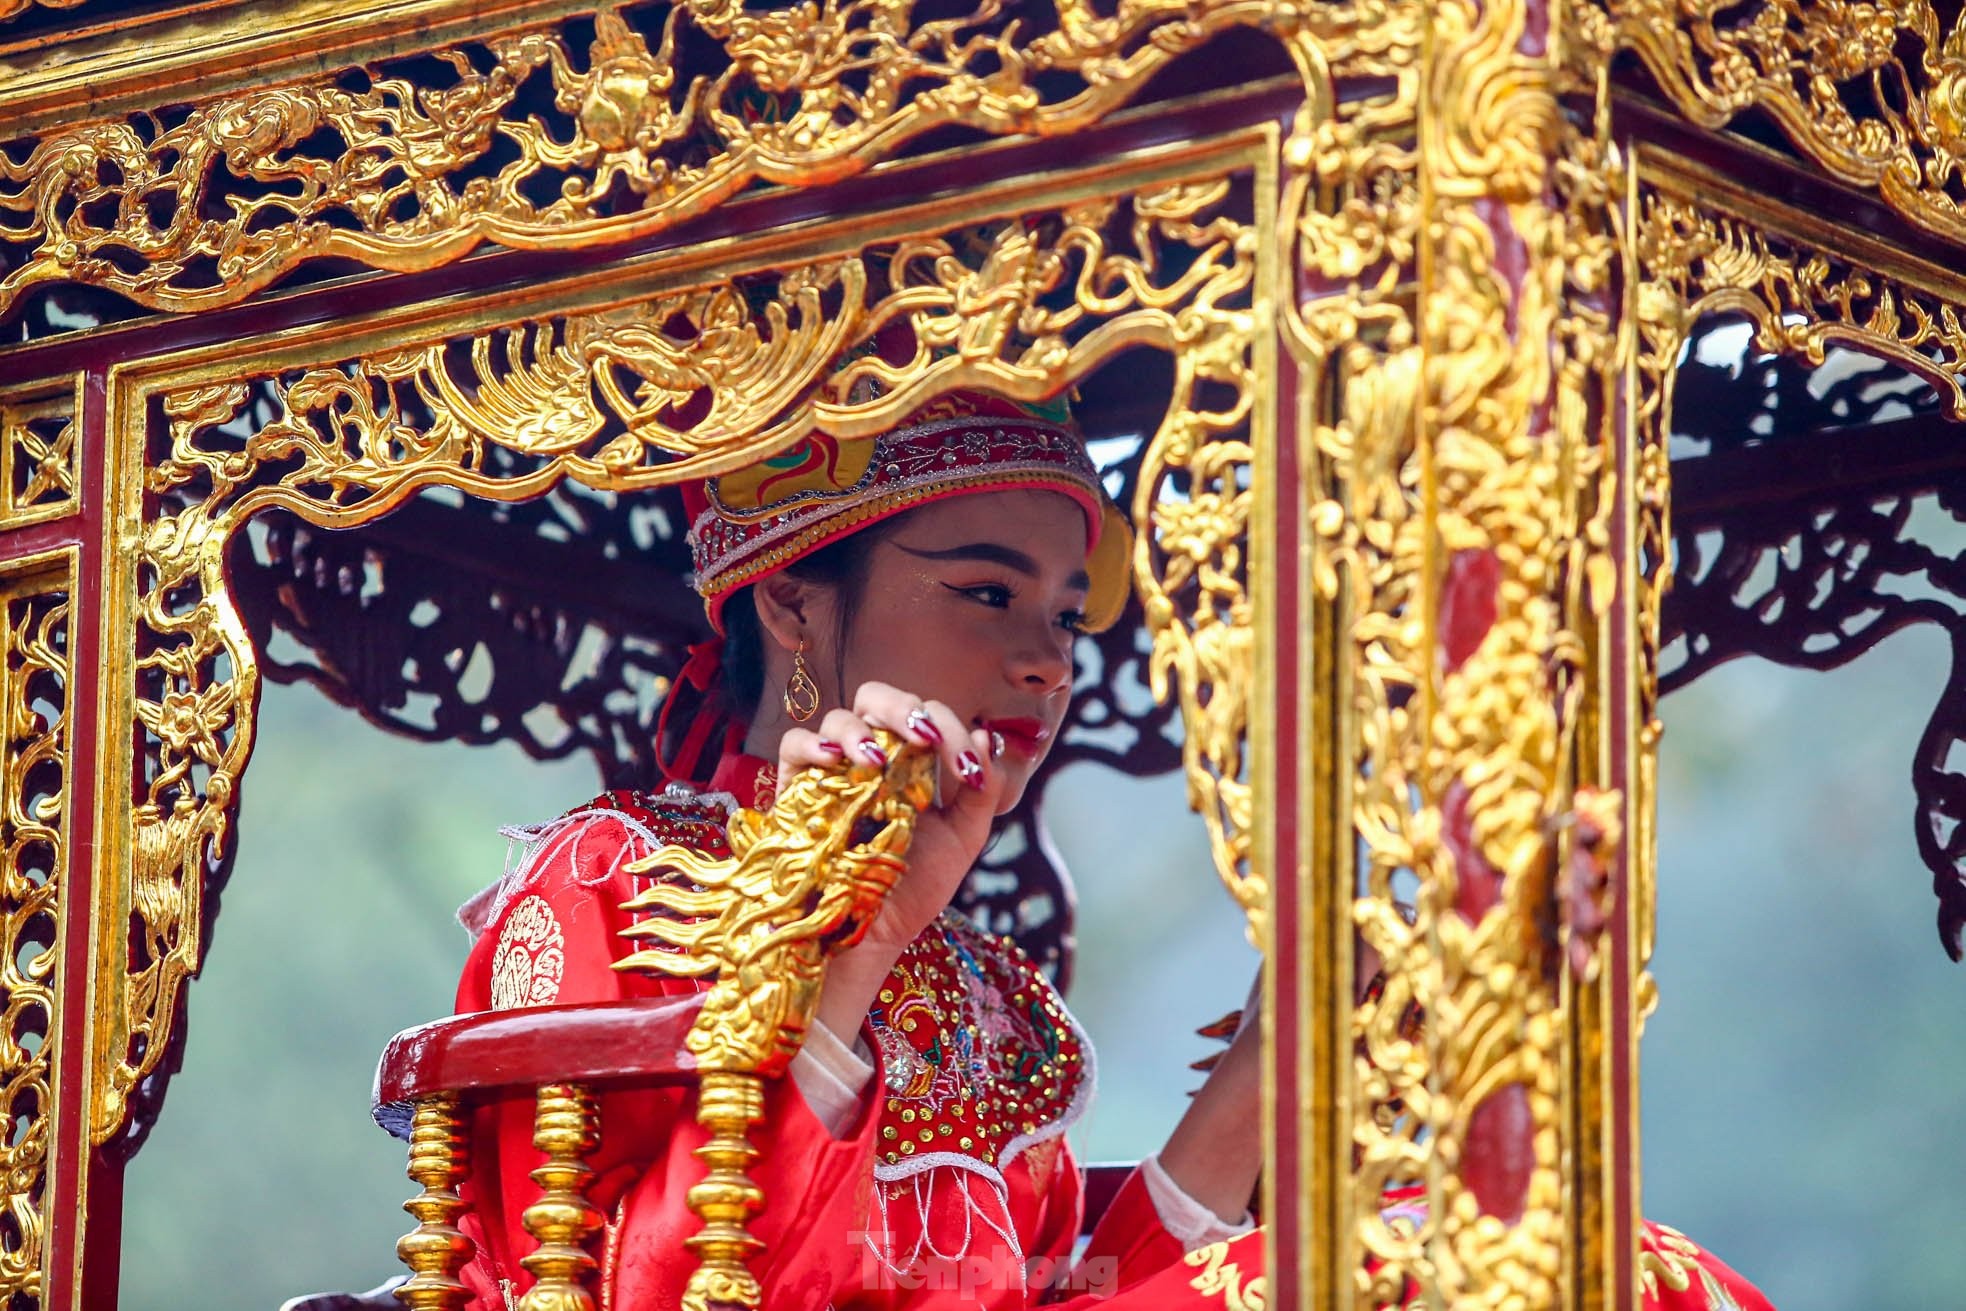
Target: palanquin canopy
366, 344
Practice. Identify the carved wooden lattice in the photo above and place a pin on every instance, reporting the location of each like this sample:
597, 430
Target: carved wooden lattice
34, 712
1854, 533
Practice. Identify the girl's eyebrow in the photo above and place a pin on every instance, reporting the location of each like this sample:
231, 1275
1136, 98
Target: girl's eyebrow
994, 553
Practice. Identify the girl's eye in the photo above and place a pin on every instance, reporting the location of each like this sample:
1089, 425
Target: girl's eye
998, 597
994, 595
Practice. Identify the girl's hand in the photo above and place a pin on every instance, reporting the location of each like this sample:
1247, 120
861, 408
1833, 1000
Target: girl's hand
949, 835
1215, 1154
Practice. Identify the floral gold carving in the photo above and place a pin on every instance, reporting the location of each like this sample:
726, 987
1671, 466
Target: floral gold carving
1873, 93
34, 704
1438, 215
1700, 256
1705, 247
238, 192
40, 452
1448, 233
600, 397
1446, 300
1190, 566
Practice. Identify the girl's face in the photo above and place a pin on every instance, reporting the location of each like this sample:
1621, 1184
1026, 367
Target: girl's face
975, 601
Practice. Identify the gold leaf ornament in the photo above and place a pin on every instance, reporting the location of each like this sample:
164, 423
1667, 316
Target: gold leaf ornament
1218, 1277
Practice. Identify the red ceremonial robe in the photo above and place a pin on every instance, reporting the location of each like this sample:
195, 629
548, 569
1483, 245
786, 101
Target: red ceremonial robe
953, 1185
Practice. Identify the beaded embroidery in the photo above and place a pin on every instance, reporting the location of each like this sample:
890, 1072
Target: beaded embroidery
979, 1055
676, 815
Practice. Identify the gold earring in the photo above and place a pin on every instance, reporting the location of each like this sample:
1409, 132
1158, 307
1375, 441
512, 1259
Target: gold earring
801, 693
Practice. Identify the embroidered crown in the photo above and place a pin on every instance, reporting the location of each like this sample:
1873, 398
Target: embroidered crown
751, 523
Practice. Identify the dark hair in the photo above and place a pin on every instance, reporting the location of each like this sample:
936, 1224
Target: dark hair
840, 565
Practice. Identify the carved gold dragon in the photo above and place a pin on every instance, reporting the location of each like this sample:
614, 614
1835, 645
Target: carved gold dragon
803, 880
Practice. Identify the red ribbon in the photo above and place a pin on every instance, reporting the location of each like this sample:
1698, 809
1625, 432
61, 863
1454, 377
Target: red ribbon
696, 698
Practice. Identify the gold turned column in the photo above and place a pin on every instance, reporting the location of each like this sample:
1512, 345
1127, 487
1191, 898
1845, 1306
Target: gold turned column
435, 1251
562, 1220
728, 1104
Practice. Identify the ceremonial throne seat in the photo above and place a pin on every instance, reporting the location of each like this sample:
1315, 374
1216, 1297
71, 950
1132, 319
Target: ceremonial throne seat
430, 1076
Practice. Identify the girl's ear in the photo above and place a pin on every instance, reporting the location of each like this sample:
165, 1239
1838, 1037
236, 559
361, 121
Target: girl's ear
785, 607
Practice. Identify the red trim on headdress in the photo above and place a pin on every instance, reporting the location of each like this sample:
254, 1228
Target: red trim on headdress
750, 524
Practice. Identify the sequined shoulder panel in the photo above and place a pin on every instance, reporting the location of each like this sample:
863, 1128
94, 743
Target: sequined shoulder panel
980, 1056
676, 815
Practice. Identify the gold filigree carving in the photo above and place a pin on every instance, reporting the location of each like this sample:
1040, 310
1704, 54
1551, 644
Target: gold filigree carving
600, 397
1351, 204
1461, 497
754, 920
1874, 93
34, 707
15, 8
802, 881
237, 193
1704, 247
1660, 328
1704, 252
1190, 549
40, 451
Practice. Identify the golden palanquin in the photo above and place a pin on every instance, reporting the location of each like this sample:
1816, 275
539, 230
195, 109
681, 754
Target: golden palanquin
1409, 284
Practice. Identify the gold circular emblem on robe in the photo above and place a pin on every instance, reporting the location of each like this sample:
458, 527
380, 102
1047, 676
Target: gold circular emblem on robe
530, 958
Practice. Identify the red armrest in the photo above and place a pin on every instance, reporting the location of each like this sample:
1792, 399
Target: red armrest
641, 1039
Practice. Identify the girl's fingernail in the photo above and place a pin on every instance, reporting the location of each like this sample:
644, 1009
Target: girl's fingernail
831, 747
996, 745
922, 726
971, 769
871, 752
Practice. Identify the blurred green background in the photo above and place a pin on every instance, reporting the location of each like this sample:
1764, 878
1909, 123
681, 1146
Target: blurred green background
1805, 1074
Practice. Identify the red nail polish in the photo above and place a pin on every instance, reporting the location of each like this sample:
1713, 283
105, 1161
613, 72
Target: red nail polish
871, 752
831, 747
971, 769
922, 724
